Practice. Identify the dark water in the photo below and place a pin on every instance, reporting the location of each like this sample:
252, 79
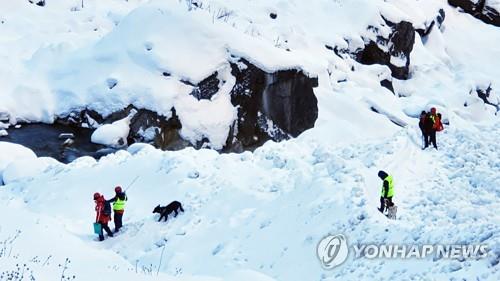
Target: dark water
44, 140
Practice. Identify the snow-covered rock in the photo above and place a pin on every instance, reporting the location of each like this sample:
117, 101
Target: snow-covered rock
10, 152
114, 134
393, 50
27, 168
140, 148
485, 10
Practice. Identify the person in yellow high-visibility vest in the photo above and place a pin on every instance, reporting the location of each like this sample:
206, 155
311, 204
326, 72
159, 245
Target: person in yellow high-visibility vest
387, 191
118, 207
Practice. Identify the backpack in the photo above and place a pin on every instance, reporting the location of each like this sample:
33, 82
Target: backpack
107, 208
438, 126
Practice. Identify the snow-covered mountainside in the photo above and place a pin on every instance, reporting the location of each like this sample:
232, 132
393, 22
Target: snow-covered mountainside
325, 92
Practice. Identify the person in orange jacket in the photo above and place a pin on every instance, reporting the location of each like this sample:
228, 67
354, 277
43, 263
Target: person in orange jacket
101, 215
438, 125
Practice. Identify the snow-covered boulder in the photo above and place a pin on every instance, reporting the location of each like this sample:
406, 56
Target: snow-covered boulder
10, 152
114, 134
26, 168
140, 148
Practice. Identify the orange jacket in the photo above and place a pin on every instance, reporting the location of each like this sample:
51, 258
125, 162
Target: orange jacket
438, 126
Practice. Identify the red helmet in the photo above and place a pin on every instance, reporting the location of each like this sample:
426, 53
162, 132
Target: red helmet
433, 110
97, 195
118, 189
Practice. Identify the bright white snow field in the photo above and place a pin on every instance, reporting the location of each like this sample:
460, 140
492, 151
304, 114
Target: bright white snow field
251, 216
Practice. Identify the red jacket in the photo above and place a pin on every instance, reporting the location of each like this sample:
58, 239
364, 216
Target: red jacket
99, 208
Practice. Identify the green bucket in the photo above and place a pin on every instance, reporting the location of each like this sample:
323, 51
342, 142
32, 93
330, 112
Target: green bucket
97, 228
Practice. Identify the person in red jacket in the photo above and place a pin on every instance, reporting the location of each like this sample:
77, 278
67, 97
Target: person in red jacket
101, 217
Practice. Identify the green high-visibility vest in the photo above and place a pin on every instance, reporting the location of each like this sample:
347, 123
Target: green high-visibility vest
119, 205
390, 192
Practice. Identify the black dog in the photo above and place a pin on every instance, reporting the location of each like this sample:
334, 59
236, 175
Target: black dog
175, 206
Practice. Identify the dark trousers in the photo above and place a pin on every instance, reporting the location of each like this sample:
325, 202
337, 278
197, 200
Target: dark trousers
425, 137
431, 138
382, 203
118, 220
104, 226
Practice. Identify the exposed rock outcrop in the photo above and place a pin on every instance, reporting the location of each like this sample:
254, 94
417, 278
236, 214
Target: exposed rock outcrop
271, 105
479, 9
393, 51
145, 125
437, 22
488, 97
40, 3
386, 83
86, 118
206, 88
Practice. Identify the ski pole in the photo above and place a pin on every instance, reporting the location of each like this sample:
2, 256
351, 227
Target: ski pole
130, 185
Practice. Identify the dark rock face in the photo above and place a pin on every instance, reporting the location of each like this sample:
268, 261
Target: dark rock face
289, 101
149, 127
440, 18
166, 135
40, 3
145, 125
484, 94
479, 10
245, 94
86, 118
399, 44
271, 105
206, 88
387, 84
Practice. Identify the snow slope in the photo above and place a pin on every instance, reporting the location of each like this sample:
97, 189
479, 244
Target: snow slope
250, 216
270, 218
